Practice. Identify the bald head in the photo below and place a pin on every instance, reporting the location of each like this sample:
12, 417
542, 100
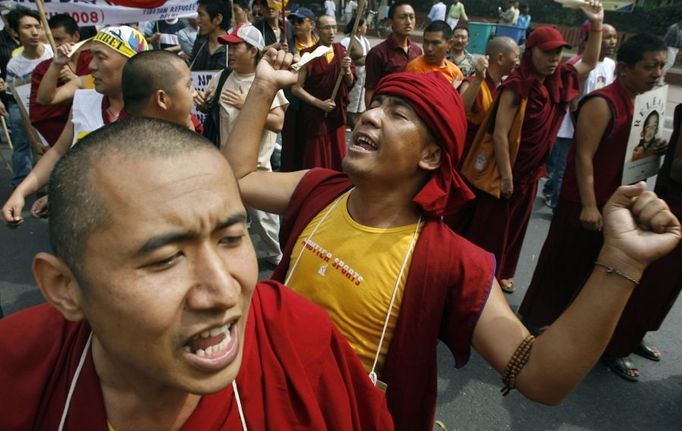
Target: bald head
146, 73
500, 45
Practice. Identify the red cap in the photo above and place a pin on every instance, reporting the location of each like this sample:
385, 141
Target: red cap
546, 38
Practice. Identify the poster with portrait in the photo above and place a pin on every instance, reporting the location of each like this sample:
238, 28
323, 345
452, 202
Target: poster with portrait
641, 157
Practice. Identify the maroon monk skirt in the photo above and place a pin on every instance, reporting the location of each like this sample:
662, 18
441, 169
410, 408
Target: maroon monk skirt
567, 258
499, 226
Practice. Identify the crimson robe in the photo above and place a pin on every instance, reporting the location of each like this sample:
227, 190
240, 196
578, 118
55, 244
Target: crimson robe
324, 137
499, 225
49, 120
297, 372
569, 252
447, 286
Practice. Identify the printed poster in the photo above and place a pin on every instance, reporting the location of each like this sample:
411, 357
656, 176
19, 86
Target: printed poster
200, 79
641, 160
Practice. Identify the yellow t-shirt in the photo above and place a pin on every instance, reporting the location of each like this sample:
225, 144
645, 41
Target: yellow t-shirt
449, 70
350, 270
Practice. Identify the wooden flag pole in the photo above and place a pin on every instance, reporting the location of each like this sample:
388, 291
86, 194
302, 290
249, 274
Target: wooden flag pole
43, 20
359, 11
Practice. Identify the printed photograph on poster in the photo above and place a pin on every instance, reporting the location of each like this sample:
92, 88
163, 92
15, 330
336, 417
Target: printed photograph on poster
642, 156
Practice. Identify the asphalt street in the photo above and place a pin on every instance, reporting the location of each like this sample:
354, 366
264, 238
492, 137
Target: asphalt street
469, 399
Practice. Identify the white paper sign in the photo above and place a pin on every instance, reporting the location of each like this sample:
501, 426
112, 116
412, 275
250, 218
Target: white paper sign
200, 79
101, 12
641, 161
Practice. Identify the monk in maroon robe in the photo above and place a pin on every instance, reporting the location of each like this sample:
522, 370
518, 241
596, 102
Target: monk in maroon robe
499, 224
593, 172
322, 135
155, 320
400, 171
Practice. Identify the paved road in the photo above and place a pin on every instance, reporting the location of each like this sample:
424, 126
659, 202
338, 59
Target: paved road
469, 399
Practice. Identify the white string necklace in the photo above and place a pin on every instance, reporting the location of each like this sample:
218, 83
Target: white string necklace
72, 389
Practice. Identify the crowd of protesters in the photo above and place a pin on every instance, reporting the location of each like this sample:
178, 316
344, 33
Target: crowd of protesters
390, 188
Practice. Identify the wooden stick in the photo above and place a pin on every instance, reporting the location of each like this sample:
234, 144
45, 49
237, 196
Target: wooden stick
359, 11
5, 131
43, 20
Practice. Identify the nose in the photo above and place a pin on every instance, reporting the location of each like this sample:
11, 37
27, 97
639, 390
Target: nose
372, 116
214, 287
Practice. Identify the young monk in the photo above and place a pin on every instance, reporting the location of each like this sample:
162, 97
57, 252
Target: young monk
154, 319
499, 224
593, 172
370, 246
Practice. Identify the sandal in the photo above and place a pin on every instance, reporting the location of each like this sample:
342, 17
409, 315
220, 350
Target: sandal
648, 351
507, 286
623, 367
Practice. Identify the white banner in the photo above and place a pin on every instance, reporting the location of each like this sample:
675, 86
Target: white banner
102, 12
641, 158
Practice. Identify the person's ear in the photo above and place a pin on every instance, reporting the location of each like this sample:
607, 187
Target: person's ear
218, 19
431, 157
76, 37
161, 99
450, 42
58, 285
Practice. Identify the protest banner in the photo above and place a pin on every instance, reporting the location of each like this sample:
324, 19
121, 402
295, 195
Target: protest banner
103, 12
641, 158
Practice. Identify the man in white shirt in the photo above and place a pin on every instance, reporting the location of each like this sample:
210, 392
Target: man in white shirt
245, 45
26, 24
437, 12
330, 8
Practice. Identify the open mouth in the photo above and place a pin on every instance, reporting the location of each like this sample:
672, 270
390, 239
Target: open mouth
214, 348
364, 144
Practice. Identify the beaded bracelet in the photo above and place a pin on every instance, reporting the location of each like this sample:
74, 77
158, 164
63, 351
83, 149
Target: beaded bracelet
518, 360
612, 270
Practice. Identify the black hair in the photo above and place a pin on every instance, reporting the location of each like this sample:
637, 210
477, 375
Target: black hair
218, 7
76, 206
244, 4
633, 49
461, 27
16, 14
349, 25
439, 26
394, 6
64, 21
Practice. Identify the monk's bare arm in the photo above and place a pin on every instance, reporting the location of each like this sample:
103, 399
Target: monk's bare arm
593, 120
48, 91
506, 112
676, 166
469, 90
595, 14
639, 228
38, 177
270, 191
299, 90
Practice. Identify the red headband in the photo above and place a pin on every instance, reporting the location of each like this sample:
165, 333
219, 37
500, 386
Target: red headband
440, 107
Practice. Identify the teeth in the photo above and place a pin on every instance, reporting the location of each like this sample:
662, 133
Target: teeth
201, 353
186, 349
219, 330
205, 334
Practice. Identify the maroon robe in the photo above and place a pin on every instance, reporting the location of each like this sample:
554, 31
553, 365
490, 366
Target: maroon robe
662, 280
569, 252
325, 136
297, 372
499, 225
49, 120
447, 286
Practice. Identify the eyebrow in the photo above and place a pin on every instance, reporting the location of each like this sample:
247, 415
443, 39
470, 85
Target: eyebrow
159, 241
